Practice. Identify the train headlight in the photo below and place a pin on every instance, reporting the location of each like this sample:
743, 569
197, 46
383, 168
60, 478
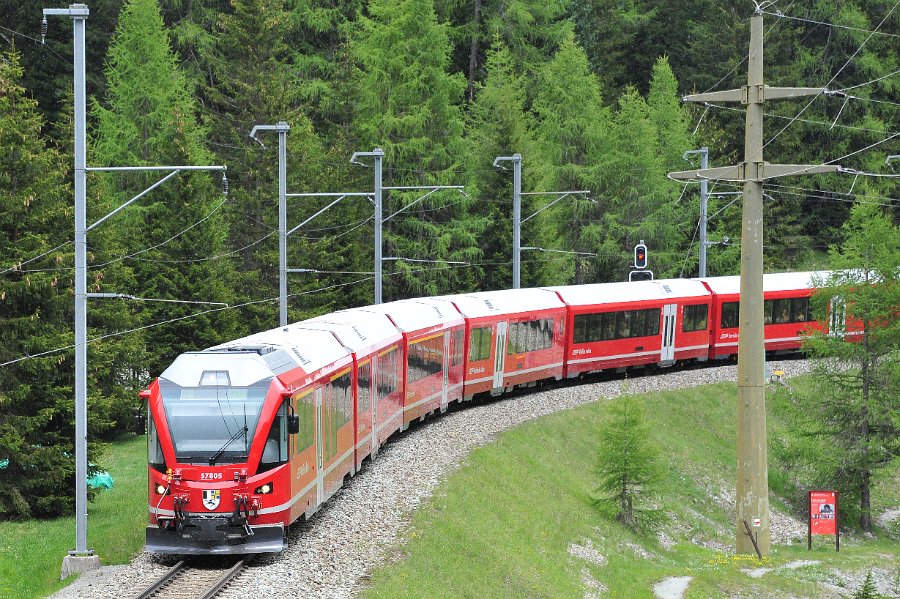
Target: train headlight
160, 489
265, 489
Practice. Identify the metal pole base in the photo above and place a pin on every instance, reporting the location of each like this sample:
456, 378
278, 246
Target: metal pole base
77, 563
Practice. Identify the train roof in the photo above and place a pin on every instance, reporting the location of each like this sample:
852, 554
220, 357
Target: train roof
778, 281
358, 330
632, 291
507, 301
416, 314
243, 368
286, 348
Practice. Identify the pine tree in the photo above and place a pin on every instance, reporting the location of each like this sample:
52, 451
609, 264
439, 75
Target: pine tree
247, 75
498, 125
408, 105
627, 466
150, 118
573, 129
36, 420
868, 589
669, 116
606, 30
857, 385
529, 29
636, 195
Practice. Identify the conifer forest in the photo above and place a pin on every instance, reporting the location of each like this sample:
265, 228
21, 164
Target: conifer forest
588, 92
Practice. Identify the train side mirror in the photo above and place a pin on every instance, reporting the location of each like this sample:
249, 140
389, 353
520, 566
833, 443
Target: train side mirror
140, 422
140, 414
293, 424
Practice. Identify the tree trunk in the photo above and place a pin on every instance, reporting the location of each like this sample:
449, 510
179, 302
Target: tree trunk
865, 516
473, 51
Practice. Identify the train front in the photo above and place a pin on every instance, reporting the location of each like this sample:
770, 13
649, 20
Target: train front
218, 431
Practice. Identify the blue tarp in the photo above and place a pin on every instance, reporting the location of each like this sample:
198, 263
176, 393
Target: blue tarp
100, 480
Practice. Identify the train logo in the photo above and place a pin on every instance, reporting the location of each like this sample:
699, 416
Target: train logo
211, 498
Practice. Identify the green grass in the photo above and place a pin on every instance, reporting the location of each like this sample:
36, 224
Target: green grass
31, 552
502, 525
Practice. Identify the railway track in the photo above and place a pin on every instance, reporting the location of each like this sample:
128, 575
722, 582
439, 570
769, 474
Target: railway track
196, 579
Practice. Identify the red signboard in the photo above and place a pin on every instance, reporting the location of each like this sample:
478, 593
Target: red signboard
823, 512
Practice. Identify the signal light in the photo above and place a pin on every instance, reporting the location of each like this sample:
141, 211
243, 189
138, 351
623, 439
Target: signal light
640, 255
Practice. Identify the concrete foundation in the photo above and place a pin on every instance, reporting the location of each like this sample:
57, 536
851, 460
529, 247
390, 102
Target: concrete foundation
76, 564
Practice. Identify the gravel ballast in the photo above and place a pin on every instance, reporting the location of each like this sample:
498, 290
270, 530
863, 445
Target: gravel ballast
332, 554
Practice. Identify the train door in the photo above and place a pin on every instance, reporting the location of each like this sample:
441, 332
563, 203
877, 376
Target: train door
837, 317
445, 388
363, 417
376, 372
500, 357
320, 448
667, 351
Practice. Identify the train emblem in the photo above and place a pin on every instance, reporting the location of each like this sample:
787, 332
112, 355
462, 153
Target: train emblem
211, 498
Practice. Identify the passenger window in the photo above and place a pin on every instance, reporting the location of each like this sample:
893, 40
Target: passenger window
730, 315
480, 344
305, 407
694, 318
800, 309
781, 311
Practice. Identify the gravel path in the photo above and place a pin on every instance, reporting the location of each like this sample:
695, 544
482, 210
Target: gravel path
673, 587
332, 555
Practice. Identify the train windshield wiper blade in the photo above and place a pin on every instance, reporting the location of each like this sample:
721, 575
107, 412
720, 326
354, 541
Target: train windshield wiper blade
218, 454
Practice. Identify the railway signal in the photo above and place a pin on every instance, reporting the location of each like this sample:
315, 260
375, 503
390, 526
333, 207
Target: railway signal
640, 255
640, 272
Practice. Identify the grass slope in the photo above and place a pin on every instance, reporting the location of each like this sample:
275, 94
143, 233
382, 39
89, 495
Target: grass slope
31, 552
506, 524
517, 520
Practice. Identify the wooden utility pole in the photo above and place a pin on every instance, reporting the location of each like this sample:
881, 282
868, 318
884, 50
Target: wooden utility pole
752, 460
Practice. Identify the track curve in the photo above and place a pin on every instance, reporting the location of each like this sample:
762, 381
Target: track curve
332, 555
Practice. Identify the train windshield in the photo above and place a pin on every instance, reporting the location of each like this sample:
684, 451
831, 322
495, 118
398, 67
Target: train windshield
213, 424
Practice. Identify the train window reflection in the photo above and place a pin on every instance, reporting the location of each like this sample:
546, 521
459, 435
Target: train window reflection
206, 421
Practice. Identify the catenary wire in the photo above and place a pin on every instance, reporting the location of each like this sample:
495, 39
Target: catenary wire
230, 307
835, 76
800, 120
846, 89
38, 257
781, 15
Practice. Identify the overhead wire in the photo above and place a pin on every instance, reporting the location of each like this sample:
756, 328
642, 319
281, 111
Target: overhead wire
835, 76
177, 319
746, 56
170, 239
208, 258
781, 15
800, 120
18, 265
869, 82
221, 309
35, 40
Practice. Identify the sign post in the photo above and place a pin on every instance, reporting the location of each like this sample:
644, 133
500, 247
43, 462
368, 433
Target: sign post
823, 517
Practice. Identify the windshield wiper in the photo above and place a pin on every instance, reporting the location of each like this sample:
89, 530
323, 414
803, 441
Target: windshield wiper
241, 431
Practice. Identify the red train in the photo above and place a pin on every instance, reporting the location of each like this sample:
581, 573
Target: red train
251, 435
